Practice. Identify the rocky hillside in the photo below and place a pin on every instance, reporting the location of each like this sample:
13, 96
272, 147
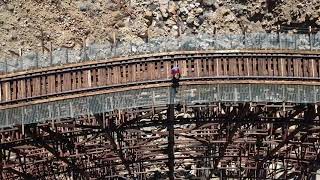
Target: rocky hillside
29, 24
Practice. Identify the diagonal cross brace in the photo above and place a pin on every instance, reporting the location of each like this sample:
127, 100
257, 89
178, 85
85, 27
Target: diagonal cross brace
118, 151
57, 136
26, 176
42, 143
308, 116
243, 113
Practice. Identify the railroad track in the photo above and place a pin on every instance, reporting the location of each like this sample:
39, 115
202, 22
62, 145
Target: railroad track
70, 79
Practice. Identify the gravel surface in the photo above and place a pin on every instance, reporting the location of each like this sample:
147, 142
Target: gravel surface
28, 24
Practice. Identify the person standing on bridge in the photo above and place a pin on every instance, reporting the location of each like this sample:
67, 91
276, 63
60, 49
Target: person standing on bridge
175, 72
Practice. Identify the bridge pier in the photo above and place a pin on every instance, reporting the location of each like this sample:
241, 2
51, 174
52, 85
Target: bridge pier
233, 141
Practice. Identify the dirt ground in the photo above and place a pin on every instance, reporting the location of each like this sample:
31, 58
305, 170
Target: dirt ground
29, 25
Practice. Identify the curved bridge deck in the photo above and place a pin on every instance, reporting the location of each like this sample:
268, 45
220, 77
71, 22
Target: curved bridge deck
209, 65
257, 76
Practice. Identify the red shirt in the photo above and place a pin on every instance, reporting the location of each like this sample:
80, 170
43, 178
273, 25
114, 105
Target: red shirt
175, 70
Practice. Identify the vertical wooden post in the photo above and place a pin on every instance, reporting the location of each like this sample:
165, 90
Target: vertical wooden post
104, 121
310, 32
247, 63
84, 48
51, 115
119, 117
312, 67
114, 42
51, 58
7, 117
153, 103
37, 60
281, 64
148, 33
179, 29
295, 41
279, 39
244, 40
22, 120
42, 40
114, 38
214, 37
6, 65
230, 41
71, 110
67, 57
243, 29
20, 54
170, 129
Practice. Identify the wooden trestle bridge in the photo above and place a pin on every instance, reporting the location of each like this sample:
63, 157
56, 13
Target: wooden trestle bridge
237, 114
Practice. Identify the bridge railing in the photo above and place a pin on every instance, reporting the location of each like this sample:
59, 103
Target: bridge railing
281, 41
194, 94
